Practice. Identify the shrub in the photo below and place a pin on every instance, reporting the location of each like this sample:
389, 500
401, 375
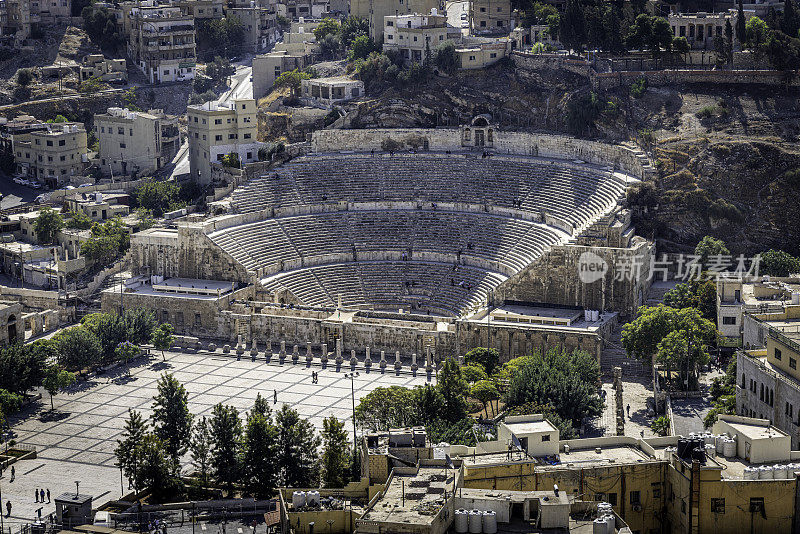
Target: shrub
706, 113
639, 87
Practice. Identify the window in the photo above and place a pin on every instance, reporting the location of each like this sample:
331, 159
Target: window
757, 505
546, 437
231, 136
718, 506
777, 354
49, 143
217, 121
204, 121
197, 320
729, 320
683, 506
247, 136
121, 131
165, 316
390, 37
122, 145
62, 142
472, 58
217, 138
102, 129
195, 119
612, 499
493, 55
130, 132
249, 155
656, 488
743, 381
636, 497
390, 23
63, 158
792, 363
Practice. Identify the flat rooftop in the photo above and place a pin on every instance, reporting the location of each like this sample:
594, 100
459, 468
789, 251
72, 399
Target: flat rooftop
756, 431
608, 455
413, 499
531, 427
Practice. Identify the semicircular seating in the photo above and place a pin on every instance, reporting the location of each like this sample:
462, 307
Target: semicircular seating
352, 256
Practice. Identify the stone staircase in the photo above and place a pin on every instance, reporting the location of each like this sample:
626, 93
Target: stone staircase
614, 355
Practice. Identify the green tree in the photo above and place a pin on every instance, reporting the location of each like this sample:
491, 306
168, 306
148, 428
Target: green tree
9, 403
56, 379
23, 367
473, 373
291, 79
454, 390
386, 407
486, 358
327, 26
162, 338
700, 293
24, 77
728, 41
140, 323
565, 380
572, 30
91, 86
77, 348
757, 33
259, 449
446, 58
231, 160
783, 52
336, 456
172, 420
226, 438
661, 425
709, 247
297, 450
156, 470
361, 47
159, 197
127, 451
485, 391
109, 239
352, 28
200, 448
428, 404
47, 224
79, 221
110, 331
330, 46
741, 28
779, 263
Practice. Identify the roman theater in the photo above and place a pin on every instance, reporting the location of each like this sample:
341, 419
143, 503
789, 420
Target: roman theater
406, 243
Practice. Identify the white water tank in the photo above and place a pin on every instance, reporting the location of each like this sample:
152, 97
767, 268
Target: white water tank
462, 521
611, 521
781, 472
475, 521
600, 526
595, 315
729, 448
795, 297
312, 498
604, 508
750, 473
489, 522
720, 442
587, 315
566, 449
765, 472
298, 499
709, 439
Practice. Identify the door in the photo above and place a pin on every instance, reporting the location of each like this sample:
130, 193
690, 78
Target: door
479, 140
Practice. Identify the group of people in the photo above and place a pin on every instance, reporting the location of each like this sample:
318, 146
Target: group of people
157, 527
40, 493
314, 377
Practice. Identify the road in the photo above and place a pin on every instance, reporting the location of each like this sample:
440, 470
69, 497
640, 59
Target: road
15, 194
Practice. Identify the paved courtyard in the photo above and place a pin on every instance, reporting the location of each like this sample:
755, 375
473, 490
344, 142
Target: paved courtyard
77, 442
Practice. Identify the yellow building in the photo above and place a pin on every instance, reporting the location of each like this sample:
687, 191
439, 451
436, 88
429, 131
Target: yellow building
52, 155
490, 17
217, 129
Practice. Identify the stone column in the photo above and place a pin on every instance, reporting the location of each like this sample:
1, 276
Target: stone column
397, 363
339, 358
282, 353
324, 358
368, 360
414, 365
295, 354
353, 359
309, 354
383, 360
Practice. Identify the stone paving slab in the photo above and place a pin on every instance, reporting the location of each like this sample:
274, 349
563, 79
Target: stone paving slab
77, 441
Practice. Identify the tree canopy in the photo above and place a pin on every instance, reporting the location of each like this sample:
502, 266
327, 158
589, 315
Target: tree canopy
47, 225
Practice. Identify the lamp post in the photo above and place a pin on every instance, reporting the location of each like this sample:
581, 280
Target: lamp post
352, 377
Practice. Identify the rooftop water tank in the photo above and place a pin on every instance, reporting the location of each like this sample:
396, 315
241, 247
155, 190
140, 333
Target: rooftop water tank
312, 498
765, 472
750, 473
600, 526
462, 521
475, 521
729, 448
795, 297
489, 522
298, 499
781, 472
611, 520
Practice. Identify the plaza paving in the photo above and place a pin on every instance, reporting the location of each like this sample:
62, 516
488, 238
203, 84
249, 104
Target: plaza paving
78, 441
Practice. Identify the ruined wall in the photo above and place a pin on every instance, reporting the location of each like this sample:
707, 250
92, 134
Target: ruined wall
773, 78
545, 145
556, 278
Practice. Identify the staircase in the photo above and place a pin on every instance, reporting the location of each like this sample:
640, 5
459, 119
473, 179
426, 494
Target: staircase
614, 355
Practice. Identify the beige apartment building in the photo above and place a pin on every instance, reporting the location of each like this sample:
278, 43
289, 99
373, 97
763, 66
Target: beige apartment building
490, 17
412, 34
52, 155
217, 129
267, 68
106, 70
260, 27
203, 9
375, 11
162, 43
134, 142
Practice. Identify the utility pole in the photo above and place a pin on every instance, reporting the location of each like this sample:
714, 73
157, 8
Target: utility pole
352, 377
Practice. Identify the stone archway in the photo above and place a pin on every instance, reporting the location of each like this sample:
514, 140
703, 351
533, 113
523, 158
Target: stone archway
12, 328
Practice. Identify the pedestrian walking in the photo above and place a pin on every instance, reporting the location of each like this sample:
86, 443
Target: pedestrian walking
36, 494
48, 495
13, 471
274, 396
8, 507
41, 495
628, 407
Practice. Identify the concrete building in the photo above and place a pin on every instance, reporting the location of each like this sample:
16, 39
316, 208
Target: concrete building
296, 10
699, 29
267, 68
412, 35
329, 91
15, 21
135, 143
52, 155
481, 52
162, 42
99, 206
735, 298
768, 382
260, 27
203, 9
106, 70
490, 17
216, 129
376, 11
535, 434
10, 313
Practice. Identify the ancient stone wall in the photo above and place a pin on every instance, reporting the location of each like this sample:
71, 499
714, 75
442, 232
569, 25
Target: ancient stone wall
556, 278
773, 78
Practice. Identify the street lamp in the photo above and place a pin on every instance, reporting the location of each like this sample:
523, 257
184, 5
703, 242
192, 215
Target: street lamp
352, 377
